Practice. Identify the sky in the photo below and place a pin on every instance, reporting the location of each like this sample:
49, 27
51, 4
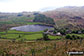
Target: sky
36, 5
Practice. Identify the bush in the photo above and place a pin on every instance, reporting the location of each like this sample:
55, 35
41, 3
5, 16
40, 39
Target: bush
54, 32
68, 37
76, 32
19, 36
73, 37
45, 37
63, 32
82, 31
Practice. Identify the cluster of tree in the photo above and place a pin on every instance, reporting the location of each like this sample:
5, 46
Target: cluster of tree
78, 31
65, 31
73, 37
43, 19
20, 14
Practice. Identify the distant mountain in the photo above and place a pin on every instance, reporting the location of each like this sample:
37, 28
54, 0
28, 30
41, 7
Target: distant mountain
47, 9
66, 11
67, 15
8, 16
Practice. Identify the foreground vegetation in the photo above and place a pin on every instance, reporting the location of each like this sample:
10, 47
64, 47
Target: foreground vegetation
40, 48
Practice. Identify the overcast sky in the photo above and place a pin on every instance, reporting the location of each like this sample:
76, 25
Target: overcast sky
35, 5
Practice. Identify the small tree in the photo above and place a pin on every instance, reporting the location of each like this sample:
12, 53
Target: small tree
54, 32
74, 37
63, 32
82, 31
68, 37
45, 36
19, 36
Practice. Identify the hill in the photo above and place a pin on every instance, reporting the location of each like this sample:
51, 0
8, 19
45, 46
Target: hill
8, 20
69, 15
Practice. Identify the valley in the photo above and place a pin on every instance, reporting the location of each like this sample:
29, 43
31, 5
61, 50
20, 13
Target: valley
51, 33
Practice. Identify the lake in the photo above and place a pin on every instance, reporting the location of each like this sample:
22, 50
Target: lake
31, 28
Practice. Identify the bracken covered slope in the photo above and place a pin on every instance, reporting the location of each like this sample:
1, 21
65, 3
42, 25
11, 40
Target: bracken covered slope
67, 15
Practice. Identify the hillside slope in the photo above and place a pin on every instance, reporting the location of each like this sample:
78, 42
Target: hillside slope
67, 15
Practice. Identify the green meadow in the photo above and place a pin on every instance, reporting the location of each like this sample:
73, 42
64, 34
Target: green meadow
18, 35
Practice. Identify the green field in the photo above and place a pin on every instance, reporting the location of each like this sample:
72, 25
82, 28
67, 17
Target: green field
13, 34
19, 35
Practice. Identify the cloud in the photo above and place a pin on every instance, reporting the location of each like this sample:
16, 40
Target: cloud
5, 0
35, 5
